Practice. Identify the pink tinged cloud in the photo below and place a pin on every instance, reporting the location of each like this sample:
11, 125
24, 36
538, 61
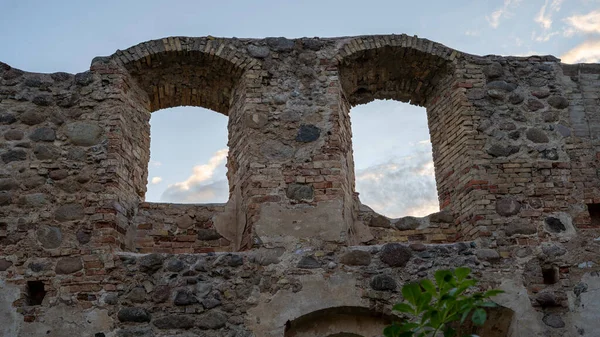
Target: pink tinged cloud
586, 23
587, 52
207, 184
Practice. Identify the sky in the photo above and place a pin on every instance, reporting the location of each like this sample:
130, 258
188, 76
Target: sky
394, 169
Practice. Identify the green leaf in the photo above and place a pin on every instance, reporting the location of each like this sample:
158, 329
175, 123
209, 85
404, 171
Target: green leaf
411, 292
404, 307
440, 277
423, 301
479, 316
488, 304
462, 273
493, 292
449, 332
391, 330
429, 287
464, 316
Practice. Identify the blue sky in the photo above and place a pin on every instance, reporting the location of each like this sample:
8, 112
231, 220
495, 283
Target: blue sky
395, 175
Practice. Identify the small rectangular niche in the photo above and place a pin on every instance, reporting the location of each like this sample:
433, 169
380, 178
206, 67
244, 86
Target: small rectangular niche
35, 292
594, 210
550, 275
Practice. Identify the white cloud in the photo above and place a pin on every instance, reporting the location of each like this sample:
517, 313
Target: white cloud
503, 12
155, 163
156, 180
544, 18
205, 185
586, 23
472, 33
587, 52
402, 186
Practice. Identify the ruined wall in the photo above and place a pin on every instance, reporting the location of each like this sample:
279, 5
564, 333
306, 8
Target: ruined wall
515, 150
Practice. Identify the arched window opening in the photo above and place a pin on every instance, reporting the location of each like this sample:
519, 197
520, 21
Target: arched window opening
393, 159
339, 322
188, 156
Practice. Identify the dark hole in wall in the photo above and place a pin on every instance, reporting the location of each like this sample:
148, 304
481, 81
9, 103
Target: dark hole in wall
550, 275
555, 225
35, 292
594, 210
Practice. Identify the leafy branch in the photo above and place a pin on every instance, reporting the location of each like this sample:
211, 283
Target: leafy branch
433, 308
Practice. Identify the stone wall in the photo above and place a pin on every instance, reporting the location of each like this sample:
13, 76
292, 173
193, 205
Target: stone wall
515, 150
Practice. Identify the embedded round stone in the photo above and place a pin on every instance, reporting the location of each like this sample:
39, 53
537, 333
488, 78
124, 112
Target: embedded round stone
69, 212
508, 206
5, 198
496, 94
5, 264
46, 151
175, 265
553, 320
487, 254
49, 237
524, 228
280, 43
138, 315
534, 104
13, 155
356, 258
308, 262
68, 265
208, 234
84, 133
300, 192
308, 133
150, 263
260, 52
516, 98
407, 223
276, 150
84, 78
42, 100
497, 150
550, 154
43, 135
7, 184
185, 297
184, 222
32, 117
558, 102
7, 119
379, 221
212, 320
83, 237
383, 283
395, 255
174, 322
13, 135
537, 136
493, 70
538, 81
502, 85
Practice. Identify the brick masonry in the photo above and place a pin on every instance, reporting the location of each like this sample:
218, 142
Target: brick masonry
515, 150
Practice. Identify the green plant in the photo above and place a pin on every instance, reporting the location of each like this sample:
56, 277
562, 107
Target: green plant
442, 307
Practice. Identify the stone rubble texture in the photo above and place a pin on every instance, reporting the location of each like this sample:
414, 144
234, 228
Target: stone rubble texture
293, 252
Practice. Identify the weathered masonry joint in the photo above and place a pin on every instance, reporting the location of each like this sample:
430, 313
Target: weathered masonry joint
294, 252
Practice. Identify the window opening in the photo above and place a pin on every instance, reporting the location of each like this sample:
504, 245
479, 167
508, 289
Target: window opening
188, 156
393, 158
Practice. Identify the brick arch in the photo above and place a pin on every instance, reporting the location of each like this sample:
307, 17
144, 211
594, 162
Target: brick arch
344, 321
185, 71
422, 73
399, 67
